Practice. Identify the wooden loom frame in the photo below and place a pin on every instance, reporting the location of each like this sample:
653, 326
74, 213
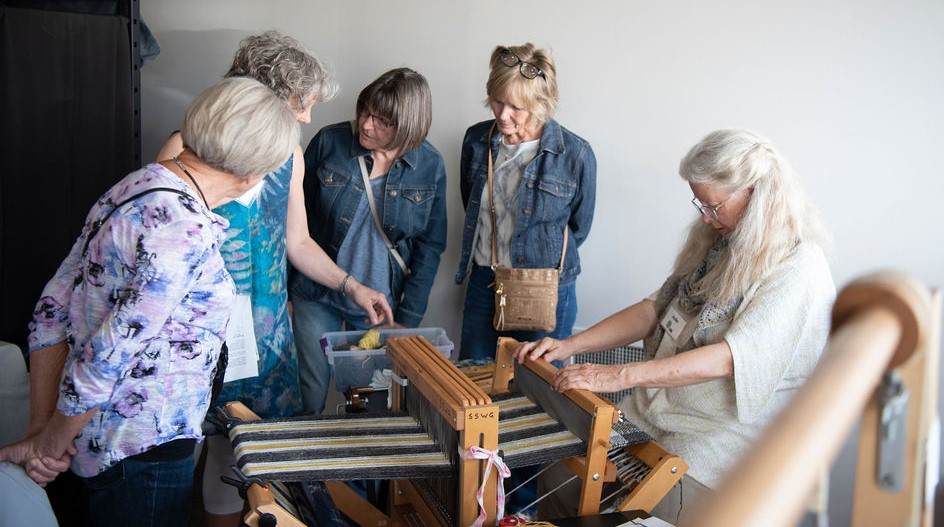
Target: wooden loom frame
470, 410
881, 322
593, 468
465, 406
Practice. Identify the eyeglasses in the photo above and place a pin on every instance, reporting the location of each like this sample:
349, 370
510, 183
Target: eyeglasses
710, 211
527, 70
379, 122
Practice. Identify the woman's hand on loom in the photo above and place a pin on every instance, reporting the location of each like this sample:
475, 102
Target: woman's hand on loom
599, 378
547, 348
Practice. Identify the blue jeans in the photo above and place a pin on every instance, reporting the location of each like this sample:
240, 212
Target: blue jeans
141, 493
479, 337
312, 319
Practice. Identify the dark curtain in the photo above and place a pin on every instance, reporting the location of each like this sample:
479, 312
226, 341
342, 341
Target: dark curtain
68, 133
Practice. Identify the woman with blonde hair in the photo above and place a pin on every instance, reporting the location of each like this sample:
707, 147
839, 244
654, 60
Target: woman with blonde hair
544, 182
732, 333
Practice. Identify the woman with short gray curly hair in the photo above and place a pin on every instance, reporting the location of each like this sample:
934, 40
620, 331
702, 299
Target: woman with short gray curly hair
287, 68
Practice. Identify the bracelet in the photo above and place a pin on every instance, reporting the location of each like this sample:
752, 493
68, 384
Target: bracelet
343, 285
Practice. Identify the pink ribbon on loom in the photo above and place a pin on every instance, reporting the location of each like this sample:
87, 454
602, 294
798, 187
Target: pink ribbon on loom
493, 459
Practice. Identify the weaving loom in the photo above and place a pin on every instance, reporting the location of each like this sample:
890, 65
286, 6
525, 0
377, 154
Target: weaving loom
437, 414
419, 449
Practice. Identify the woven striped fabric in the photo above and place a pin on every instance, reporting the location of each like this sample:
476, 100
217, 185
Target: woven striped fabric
529, 436
367, 446
386, 446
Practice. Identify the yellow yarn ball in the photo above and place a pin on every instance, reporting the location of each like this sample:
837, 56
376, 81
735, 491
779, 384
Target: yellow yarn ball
370, 340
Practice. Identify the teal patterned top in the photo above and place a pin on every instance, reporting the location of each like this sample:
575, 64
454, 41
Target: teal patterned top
254, 252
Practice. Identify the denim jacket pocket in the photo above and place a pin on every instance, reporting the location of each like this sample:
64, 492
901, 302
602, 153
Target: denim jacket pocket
332, 180
414, 206
554, 198
331, 185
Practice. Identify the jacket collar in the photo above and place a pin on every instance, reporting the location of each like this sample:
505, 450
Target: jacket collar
552, 137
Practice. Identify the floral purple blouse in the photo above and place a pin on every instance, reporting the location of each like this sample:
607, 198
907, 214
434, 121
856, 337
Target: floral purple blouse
144, 312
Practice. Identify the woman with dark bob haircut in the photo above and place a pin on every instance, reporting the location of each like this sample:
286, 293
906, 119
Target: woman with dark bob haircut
384, 151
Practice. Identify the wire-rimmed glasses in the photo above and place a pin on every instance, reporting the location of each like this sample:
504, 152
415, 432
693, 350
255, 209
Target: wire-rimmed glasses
527, 70
709, 211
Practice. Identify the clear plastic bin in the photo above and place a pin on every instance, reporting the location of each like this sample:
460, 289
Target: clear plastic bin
356, 367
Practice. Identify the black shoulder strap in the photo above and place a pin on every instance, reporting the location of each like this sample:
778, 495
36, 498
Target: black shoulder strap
97, 225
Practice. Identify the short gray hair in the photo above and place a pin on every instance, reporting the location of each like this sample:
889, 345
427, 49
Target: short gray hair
241, 127
285, 66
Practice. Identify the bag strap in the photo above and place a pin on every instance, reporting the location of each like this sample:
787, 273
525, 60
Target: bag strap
491, 211
373, 212
97, 225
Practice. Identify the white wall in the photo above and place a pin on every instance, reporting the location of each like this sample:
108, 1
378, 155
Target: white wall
852, 92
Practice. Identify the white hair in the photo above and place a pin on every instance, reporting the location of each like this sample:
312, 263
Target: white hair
241, 127
778, 216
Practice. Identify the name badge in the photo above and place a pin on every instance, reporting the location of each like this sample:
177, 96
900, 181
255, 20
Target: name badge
673, 322
241, 342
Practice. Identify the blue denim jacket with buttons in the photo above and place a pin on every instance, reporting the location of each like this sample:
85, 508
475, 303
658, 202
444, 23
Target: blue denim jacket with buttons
414, 213
558, 188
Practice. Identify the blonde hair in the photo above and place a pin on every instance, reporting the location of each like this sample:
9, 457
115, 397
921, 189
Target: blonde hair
778, 216
286, 67
538, 95
241, 127
400, 96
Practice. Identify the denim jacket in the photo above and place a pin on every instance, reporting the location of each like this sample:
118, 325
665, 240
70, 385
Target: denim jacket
558, 188
414, 213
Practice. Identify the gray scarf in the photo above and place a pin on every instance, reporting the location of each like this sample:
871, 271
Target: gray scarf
691, 300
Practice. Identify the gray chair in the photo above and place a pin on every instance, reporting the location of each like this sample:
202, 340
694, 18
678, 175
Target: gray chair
14, 394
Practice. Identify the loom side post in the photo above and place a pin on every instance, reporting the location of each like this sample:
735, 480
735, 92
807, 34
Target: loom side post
666, 469
604, 416
481, 429
463, 405
504, 365
261, 503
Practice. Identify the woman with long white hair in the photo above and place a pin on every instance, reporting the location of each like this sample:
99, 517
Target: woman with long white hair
736, 328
